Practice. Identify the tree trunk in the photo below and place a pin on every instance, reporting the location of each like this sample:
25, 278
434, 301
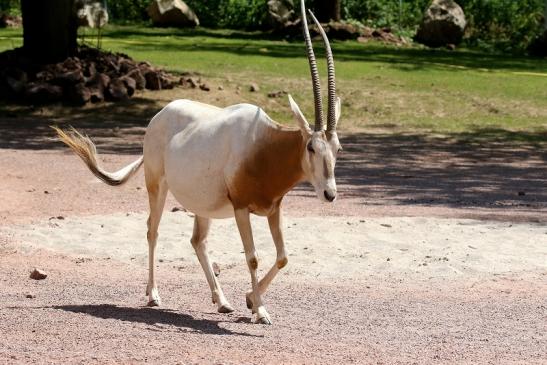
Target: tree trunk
328, 10
49, 29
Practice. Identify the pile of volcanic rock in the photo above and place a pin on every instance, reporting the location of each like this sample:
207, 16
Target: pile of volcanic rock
91, 76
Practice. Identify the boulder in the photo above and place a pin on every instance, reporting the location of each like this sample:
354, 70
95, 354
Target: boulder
91, 14
281, 13
340, 30
444, 23
174, 13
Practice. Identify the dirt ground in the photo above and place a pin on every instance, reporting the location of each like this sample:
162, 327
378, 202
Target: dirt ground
439, 256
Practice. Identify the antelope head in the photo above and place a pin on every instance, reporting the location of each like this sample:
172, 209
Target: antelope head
322, 145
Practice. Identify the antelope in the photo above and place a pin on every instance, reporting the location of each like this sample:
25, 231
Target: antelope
230, 162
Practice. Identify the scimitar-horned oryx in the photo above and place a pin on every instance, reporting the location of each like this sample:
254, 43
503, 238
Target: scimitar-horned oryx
221, 163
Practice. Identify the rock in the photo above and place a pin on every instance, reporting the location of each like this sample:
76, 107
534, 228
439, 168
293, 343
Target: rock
43, 93
277, 94
91, 13
254, 88
173, 13
443, 23
127, 65
130, 84
30, 296
68, 78
216, 269
116, 90
343, 31
79, 94
38, 274
204, 87
189, 82
166, 81
153, 81
281, 13
96, 85
140, 81
77, 80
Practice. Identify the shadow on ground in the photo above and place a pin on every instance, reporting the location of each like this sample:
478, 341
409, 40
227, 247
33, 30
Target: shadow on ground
153, 317
493, 169
488, 168
115, 127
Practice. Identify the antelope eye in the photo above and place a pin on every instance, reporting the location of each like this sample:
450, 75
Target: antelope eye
310, 148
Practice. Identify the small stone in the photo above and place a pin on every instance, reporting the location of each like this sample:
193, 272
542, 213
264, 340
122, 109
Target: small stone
204, 87
38, 274
30, 296
277, 94
386, 225
46, 192
221, 87
254, 88
216, 269
388, 259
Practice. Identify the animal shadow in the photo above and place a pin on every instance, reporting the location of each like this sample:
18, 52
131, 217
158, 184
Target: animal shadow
153, 317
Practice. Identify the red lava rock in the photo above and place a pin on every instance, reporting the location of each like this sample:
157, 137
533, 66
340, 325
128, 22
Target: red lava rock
153, 81
38, 274
92, 76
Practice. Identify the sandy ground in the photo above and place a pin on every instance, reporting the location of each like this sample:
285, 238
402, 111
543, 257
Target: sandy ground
434, 253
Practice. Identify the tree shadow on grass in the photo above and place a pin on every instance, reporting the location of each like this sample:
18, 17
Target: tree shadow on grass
154, 317
254, 43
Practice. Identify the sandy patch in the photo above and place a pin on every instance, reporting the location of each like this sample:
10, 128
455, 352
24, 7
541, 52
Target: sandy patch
318, 246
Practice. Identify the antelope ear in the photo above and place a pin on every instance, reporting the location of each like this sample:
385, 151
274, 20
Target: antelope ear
300, 118
338, 109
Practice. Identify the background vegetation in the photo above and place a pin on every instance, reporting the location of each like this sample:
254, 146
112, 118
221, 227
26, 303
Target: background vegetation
502, 25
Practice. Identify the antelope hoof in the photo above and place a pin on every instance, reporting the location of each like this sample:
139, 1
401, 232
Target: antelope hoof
154, 299
225, 308
262, 316
154, 303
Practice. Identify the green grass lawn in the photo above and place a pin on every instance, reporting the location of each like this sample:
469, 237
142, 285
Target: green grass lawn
382, 87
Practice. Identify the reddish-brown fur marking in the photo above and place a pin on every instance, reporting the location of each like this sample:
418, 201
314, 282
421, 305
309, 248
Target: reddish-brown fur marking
271, 170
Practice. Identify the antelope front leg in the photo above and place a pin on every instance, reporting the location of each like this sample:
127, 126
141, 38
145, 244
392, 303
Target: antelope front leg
274, 221
244, 226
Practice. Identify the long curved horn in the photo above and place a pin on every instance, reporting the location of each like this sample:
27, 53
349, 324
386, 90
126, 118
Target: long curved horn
331, 116
314, 73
